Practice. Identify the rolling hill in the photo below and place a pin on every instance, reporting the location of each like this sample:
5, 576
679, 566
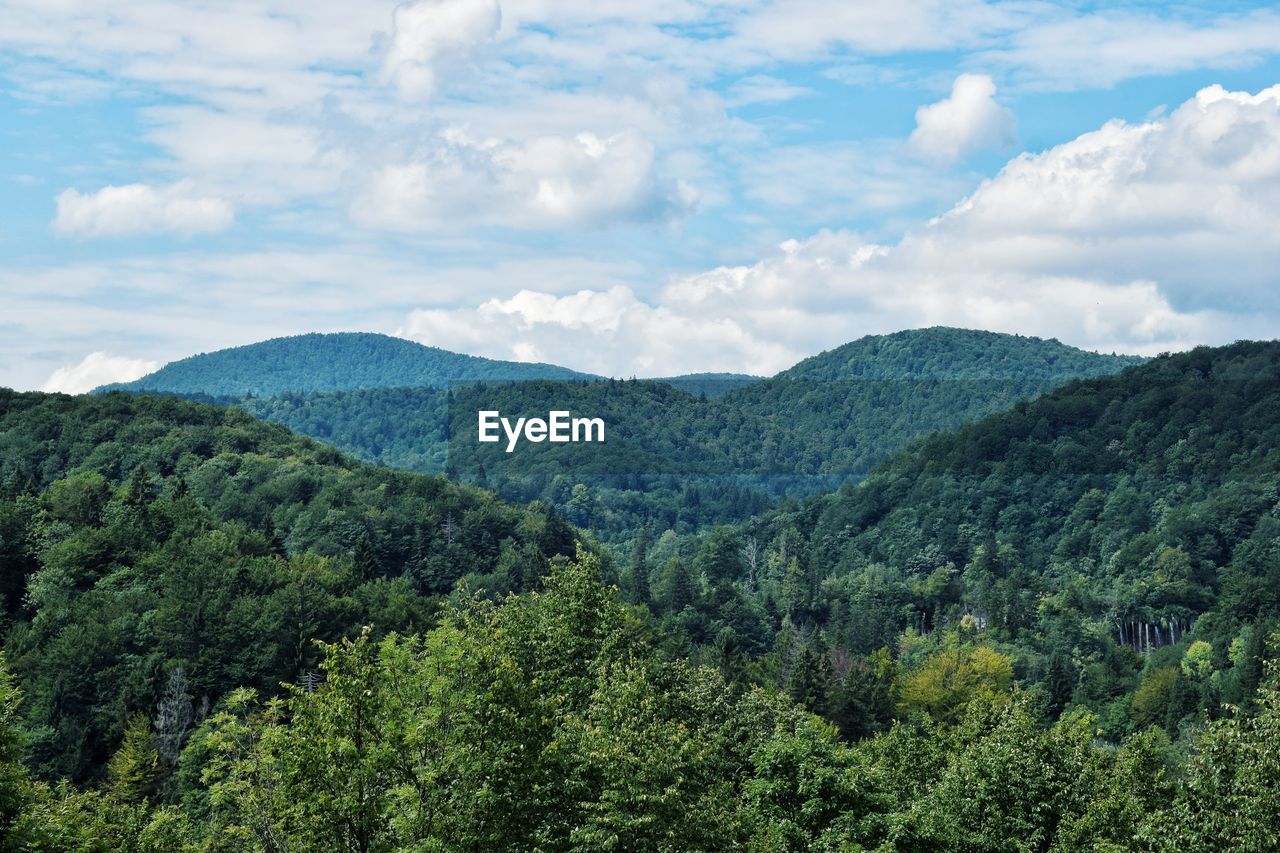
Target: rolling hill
1052, 627
682, 452
941, 352
331, 362
1094, 534
142, 533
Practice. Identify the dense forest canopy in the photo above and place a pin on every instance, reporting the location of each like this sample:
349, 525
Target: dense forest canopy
1053, 628
331, 362
945, 353
142, 534
693, 451
1097, 536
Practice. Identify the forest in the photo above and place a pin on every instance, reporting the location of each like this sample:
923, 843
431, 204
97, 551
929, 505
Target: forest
684, 453
1053, 628
334, 362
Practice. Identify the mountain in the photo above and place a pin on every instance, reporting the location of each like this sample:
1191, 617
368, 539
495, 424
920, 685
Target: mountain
710, 384
1050, 629
1097, 535
700, 449
331, 362
144, 534
840, 412
942, 352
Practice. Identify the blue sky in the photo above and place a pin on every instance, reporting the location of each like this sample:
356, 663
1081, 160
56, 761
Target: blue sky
630, 188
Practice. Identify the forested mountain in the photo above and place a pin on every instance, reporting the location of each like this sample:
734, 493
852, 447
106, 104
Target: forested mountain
1024, 632
841, 412
139, 535
941, 352
331, 362
710, 384
732, 444
1117, 539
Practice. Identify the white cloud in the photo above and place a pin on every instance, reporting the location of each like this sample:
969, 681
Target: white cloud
261, 160
1111, 241
793, 29
429, 36
1188, 201
967, 120
141, 209
539, 183
1101, 49
97, 368
610, 332
763, 89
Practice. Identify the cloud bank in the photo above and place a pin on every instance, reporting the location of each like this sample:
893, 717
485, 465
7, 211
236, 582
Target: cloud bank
97, 368
1108, 241
584, 179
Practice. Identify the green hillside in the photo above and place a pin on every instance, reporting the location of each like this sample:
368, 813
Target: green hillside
139, 534
1023, 634
683, 455
710, 384
331, 362
1097, 536
941, 352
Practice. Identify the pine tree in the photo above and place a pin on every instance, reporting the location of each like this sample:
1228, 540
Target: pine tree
640, 568
365, 559
678, 590
134, 770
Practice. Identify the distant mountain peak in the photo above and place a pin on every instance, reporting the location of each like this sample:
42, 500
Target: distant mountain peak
945, 352
338, 361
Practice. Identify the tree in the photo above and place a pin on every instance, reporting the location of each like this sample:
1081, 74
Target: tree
134, 771
865, 702
1151, 701
174, 718
751, 559
1231, 797
811, 677
720, 557
676, 585
640, 568
1010, 784
15, 786
949, 680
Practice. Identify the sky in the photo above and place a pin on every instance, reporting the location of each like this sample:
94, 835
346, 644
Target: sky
630, 188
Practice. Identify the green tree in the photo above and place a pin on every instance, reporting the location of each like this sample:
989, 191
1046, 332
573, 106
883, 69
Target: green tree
720, 557
676, 585
15, 785
134, 771
948, 681
640, 568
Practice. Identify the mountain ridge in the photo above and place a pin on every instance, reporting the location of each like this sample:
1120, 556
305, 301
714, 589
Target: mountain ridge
336, 361
284, 361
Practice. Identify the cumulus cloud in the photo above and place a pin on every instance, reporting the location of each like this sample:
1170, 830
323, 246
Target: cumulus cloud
542, 182
610, 332
97, 368
141, 209
1109, 241
429, 36
967, 120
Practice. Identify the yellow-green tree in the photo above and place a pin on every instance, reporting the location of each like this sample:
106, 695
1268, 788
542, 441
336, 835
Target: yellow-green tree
952, 678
